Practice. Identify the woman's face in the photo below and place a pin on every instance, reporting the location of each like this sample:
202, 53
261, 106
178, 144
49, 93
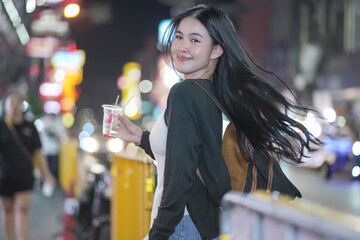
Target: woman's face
13, 106
192, 50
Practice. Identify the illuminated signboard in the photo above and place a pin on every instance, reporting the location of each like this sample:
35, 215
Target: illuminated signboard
59, 2
69, 60
42, 47
50, 23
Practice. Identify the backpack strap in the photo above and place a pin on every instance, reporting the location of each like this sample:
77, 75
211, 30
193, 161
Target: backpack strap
254, 169
208, 88
17, 139
270, 178
205, 85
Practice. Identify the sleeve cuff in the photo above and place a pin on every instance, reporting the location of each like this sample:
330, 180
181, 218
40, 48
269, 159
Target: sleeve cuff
145, 143
144, 139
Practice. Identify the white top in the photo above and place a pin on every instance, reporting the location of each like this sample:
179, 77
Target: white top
51, 133
157, 140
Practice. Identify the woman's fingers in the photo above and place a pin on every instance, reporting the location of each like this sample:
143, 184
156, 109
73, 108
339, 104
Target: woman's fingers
128, 131
125, 121
123, 132
130, 126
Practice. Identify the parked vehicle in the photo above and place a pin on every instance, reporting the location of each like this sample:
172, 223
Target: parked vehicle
94, 204
333, 157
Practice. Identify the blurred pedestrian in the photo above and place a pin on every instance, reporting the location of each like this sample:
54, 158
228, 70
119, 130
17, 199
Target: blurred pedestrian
186, 140
50, 137
19, 143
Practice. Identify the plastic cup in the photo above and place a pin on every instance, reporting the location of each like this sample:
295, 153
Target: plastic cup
110, 120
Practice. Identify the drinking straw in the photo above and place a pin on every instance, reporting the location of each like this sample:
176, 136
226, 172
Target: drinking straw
117, 99
128, 101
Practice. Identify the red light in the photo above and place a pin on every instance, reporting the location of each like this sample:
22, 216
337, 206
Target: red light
34, 70
72, 47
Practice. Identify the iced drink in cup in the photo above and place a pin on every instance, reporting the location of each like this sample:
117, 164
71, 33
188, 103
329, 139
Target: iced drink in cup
110, 120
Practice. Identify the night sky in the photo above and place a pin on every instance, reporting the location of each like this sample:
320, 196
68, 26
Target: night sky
109, 46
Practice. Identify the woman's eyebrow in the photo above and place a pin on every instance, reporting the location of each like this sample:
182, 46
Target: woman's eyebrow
194, 34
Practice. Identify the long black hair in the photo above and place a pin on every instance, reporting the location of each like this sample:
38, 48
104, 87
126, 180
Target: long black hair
258, 111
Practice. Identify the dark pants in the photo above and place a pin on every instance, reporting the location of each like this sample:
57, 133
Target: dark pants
53, 162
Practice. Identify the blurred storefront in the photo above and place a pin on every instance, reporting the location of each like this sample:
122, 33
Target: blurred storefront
14, 22
314, 46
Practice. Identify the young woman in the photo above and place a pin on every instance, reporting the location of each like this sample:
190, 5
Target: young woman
18, 139
187, 138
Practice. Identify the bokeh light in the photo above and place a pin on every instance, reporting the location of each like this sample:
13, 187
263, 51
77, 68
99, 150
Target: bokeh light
71, 10
89, 144
114, 145
145, 86
356, 148
53, 107
341, 121
355, 171
83, 135
330, 114
68, 120
131, 110
131, 149
89, 128
59, 75
39, 124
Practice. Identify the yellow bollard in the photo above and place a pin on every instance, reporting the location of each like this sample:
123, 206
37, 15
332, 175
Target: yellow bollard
224, 237
133, 187
68, 163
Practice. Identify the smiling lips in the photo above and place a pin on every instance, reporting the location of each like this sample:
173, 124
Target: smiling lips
183, 59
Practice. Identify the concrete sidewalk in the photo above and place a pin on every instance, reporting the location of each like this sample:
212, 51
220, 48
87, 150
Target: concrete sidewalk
46, 216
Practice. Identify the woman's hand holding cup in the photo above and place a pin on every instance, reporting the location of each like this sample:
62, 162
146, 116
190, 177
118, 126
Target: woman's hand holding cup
128, 131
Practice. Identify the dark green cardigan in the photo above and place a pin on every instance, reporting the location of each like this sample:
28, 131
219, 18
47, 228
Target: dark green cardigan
194, 141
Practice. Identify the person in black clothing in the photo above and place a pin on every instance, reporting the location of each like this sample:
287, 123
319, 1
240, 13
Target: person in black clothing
19, 141
202, 44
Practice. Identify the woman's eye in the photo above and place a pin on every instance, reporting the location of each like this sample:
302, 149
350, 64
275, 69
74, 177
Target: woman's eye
195, 40
178, 37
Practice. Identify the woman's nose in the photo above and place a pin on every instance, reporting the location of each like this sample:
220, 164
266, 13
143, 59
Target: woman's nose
183, 46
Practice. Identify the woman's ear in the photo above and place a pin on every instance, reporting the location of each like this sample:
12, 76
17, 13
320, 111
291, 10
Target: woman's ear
217, 51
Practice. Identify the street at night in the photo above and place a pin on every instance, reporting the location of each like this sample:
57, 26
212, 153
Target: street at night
85, 96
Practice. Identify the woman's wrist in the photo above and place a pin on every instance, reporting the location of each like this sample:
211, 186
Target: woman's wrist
138, 141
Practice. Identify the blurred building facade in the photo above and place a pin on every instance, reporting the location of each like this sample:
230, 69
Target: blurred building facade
38, 55
14, 62
313, 45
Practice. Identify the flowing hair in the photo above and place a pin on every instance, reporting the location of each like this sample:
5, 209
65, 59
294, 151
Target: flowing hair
258, 111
